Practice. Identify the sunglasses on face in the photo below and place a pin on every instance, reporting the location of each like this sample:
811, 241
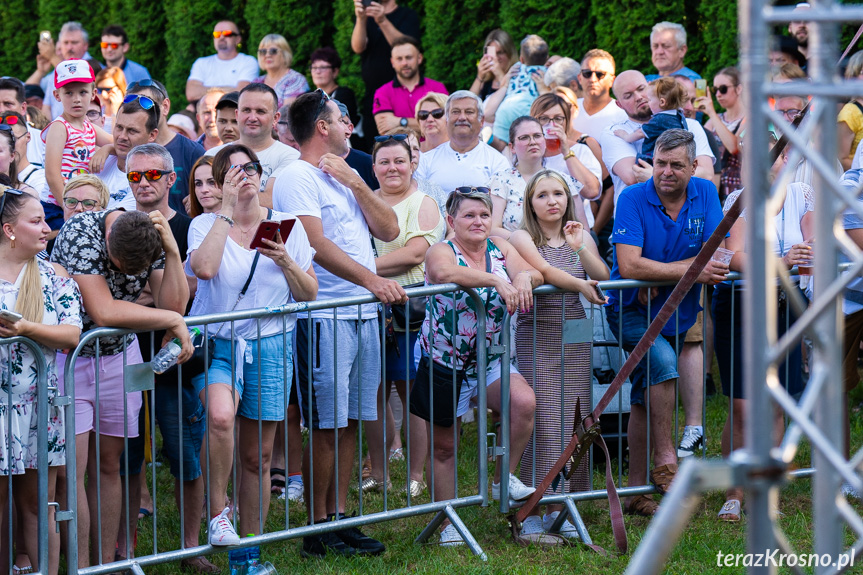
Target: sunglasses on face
722, 89
111, 45
588, 74
6, 194
72, 203
437, 114
268, 51
250, 168
144, 101
224, 34
9, 120
467, 190
146, 83
151, 175
104, 89
396, 137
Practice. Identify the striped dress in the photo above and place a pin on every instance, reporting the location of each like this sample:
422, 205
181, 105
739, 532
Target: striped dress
80, 147
555, 399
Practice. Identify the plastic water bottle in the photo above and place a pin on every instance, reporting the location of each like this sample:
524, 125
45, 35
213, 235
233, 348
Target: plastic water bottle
237, 561
254, 556
167, 356
265, 568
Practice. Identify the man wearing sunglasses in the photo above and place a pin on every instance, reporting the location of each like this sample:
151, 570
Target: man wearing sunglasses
667, 50
13, 98
227, 68
597, 110
395, 101
115, 45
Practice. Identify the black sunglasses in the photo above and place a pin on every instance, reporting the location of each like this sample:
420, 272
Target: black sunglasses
396, 137
8, 191
467, 190
268, 51
146, 83
722, 89
437, 114
589, 74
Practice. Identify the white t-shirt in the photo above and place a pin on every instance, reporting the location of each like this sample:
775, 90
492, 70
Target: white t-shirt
273, 160
449, 169
615, 149
34, 176
593, 125
304, 190
118, 186
586, 157
212, 71
36, 147
268, 287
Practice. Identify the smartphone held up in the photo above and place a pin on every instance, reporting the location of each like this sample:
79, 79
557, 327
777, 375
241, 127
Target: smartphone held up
268, 230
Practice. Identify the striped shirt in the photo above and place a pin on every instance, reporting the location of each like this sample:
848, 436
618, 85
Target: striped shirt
80, 147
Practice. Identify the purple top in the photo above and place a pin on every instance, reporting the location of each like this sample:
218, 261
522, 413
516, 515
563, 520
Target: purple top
290, 85
395, 98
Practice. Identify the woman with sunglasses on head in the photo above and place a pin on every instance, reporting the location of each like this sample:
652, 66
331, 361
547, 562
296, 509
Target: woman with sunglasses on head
564, 252
275, 58
50, 303
528, 147
430, 116
726, 125
505, 282
236, 278
111, 89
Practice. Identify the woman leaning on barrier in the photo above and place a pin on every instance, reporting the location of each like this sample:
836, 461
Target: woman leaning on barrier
559, 247
50, 303
220, 256
504, 282
402, 260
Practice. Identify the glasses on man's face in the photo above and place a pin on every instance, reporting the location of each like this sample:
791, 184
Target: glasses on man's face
6, 194
423, 115
151, 175
250, 168
111, 45
224, 34
588, 74
88, 205
94, 115
144, 101
789, 114
320, 68
396, 137
324, 99
558, 120
268, 51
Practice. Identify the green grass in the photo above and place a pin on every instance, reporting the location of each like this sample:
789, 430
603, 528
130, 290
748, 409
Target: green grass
695, 553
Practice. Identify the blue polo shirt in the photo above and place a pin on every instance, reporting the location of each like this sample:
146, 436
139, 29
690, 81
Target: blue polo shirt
135, 72
641, 221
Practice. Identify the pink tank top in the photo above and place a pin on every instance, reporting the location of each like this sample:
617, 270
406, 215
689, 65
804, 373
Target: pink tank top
80, 147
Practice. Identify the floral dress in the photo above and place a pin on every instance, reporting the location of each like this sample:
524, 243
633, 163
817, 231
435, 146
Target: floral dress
453, 349
18, 377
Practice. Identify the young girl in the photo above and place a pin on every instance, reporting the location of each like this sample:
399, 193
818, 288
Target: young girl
665, 96
71, 140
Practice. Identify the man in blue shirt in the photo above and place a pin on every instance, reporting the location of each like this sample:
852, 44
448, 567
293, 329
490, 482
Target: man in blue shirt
659, 228
115, 45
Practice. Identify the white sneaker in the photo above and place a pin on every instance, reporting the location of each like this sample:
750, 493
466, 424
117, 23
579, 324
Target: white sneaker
532, 525
849, 492
294, 491
693, 438
450, 536
221, 532
567, 530
518, 491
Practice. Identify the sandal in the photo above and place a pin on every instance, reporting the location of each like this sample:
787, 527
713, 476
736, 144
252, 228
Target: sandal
397, 454
144, 513
731, 512
642, 505
22, 570
277, 480
662, 476
199, 565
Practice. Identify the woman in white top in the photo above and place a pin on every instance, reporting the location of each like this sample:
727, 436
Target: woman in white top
219, 255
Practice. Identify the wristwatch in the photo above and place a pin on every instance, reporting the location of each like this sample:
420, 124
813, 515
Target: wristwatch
568, 155
403, 122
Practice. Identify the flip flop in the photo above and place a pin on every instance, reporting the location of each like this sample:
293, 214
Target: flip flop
144, 513
731, 512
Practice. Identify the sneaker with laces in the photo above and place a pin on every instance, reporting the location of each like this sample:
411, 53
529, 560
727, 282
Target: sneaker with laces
532, 525
693, 438
294, 491
567, 530
319, 545
450, 537
362, 543
222, 532
518, 491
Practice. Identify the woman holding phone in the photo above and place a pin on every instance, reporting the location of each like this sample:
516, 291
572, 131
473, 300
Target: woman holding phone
238, 277
48, 307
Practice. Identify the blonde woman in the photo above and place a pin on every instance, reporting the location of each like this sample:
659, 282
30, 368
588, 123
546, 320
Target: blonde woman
275, 58
430, 116
84, 193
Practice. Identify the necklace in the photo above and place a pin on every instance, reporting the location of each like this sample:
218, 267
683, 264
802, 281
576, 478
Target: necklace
247, 230
464, 252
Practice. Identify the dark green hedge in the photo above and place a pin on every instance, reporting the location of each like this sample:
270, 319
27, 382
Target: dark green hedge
168, 35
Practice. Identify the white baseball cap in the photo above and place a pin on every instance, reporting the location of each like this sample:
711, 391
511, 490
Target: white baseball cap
73, 71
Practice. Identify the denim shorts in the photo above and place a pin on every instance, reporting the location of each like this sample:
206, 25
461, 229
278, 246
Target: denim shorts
277, 368
659, 363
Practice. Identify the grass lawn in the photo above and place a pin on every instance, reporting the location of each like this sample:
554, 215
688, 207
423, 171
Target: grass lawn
695, 553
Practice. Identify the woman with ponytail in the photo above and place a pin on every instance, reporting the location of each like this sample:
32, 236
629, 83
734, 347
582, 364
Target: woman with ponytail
49, 303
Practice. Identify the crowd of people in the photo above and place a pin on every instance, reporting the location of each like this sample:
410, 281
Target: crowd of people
547, 169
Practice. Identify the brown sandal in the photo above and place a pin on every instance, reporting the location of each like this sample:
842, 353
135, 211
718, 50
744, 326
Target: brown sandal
642, 505
662, 476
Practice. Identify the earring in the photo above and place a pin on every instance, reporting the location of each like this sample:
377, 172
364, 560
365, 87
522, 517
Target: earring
13, 241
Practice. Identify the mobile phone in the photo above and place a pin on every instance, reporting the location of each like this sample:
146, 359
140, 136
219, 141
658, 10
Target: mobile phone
268, 229
700, 88
10, 316
367, 3
599, 291
45, 35
491, 51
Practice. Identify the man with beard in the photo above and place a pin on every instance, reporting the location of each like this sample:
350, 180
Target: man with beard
395, 102
227, 68
630, 89
800, 33
597, 109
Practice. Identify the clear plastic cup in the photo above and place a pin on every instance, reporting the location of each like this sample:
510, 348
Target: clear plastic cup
722, 256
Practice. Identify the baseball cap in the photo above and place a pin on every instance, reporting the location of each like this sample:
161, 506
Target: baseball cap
229, 100
183, 124
73, 71
342, 108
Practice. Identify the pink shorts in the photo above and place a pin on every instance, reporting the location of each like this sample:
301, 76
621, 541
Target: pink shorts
111, 392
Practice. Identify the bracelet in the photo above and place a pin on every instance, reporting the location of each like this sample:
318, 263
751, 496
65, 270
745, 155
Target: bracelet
226, 218
578, 251
568, 155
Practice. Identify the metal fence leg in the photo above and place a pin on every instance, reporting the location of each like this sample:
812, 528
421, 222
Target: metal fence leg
431, 527
575, 518
465, 534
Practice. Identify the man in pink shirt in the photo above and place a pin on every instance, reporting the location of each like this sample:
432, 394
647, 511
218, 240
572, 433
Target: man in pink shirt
395, 102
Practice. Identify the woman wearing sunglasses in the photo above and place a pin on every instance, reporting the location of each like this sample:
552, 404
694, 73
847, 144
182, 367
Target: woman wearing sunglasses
275, 58
230, 389
111, 89
505, 284
431, 118
49, 301
727, 126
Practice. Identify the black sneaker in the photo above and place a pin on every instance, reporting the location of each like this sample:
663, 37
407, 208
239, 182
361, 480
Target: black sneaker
359, 541
318, 545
